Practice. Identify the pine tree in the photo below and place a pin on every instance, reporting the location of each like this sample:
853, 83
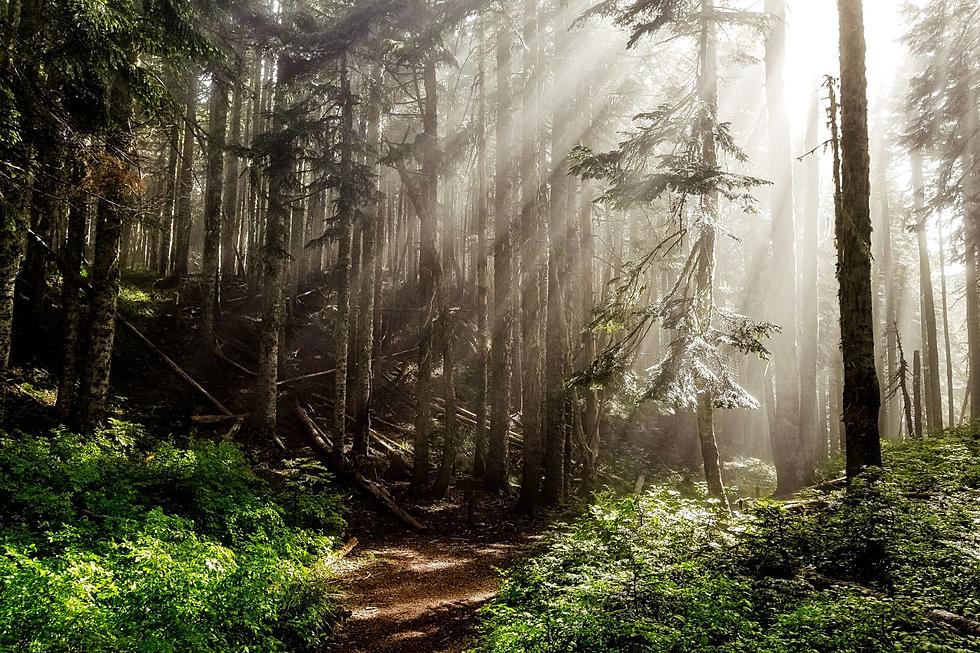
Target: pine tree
853, 231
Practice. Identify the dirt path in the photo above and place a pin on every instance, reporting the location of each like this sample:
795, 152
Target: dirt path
420, 593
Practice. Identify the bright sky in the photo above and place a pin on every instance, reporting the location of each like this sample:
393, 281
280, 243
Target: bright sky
812, 47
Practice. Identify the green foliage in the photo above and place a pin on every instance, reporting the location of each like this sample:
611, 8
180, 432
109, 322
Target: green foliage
117, 542
853, 571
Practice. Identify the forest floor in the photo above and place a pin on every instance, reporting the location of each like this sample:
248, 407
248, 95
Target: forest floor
421, 592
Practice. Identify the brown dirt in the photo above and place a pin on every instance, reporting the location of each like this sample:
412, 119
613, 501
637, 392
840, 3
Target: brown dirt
421, 592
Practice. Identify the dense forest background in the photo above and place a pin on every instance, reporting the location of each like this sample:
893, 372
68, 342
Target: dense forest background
470, 266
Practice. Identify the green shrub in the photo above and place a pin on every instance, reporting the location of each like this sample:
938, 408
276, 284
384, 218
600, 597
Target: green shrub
663, 573
117, 542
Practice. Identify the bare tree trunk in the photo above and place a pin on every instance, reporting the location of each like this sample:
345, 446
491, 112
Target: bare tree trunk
531, 249
185, 185
430, 276
861, 391
482, 276
951, 405
169, 203
214, 184
501, 353
791, 452
971, 252
810, 427
885, 259
933, 390
372, 216
448, 465
71, 302
279, 171
345, 214
554, 425
230, 224
916, 429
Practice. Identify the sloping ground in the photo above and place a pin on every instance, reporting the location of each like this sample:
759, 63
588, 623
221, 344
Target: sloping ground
421, 592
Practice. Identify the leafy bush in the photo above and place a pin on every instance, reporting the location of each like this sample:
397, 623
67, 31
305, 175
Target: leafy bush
118, 542
852, 571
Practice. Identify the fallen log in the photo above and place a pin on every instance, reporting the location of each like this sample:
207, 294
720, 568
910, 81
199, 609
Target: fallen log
314, 375
323, 443
218, 419
960, 624
175, 367
238, 366
304, 377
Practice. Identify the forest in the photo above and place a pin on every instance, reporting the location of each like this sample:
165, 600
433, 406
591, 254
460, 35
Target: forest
489, 326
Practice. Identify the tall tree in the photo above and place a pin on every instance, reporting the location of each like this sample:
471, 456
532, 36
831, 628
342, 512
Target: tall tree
279, 159
501, 349
118, 197
791, 451
345, 215
213, 187
930, 339
853, 229
185, 181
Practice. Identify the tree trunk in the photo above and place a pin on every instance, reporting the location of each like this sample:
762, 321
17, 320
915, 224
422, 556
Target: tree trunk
810, 427
890, 318
861, 397
214, 182
279, 171
169, 203
71, 301
927, 306
430, 276
791, 453
345, 214
501, 352
372, 216
450, 426
185, 185
230, 224
531, 249
951, 405
554, 423
971, 252
916, 426
116, 201
482, 273
707, 89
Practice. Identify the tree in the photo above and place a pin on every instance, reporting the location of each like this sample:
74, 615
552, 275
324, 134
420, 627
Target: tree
933, 390
695, 373
853, 229
214, 185
790, 445
501, 349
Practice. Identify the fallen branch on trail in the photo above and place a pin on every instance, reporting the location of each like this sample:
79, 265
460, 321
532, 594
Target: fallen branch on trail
322, 442
960, 624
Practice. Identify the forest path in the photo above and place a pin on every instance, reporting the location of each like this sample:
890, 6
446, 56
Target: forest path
421, 592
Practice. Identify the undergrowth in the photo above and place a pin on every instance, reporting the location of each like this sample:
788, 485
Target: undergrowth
120, 542
851, 571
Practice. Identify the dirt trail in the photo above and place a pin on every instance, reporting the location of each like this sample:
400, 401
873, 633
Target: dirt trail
420, 593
